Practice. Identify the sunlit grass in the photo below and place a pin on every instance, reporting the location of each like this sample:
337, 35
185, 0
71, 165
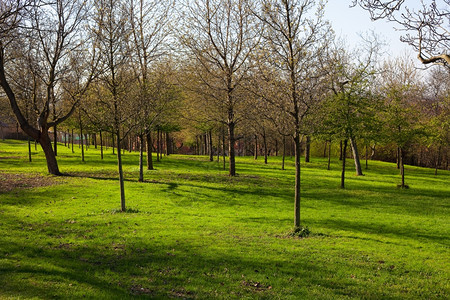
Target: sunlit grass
193, 232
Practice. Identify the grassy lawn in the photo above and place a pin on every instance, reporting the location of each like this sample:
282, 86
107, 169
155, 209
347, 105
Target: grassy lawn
193, 232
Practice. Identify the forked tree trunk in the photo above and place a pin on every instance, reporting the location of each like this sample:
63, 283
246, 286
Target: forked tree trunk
344, 154
355, 152
149, 150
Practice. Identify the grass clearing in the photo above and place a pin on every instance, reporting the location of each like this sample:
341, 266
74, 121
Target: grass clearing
193, 232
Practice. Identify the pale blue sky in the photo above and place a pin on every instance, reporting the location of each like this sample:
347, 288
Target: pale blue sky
349, 23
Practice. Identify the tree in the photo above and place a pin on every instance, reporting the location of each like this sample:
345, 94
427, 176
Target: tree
294, 37
221, 35
427, 29
56, 51
401, 91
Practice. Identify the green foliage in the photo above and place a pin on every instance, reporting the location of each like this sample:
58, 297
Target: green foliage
194, 232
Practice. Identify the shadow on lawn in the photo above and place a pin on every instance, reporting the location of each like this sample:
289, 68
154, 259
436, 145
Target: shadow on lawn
140, 268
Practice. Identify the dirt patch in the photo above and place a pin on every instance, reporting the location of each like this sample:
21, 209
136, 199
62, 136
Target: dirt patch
9, 182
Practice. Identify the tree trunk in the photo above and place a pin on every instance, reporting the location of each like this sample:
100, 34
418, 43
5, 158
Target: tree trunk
167, 144
119, 165
340, 150
218, 148
325, 149
81, 141
329, 155
297, 180
367, 157
355, 152
101, 144
223, 148
46, 145
265, 147
29, 149
149, 150
276, 147
398, 157
231, 153
72, 141
308, 148
113, 142
141, 157
211, 153
344, 154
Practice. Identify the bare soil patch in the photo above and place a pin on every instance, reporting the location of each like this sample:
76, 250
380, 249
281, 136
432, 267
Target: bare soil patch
9, 182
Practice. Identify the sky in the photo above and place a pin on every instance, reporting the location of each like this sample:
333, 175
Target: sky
350, 22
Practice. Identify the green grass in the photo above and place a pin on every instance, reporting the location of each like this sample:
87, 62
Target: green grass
193, 232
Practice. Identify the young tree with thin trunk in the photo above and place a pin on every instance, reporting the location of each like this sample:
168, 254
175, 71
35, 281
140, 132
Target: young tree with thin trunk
293, 36
221, 35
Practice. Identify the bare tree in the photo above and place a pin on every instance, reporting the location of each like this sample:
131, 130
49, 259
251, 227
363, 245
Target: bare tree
293, 37
221, 35
427, 29
55, 49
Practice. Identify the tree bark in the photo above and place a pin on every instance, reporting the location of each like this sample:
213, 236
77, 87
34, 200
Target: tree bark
52, 164
149, 150
355, 152
344, 154
284, 152
340, 150
211, 153
308, 148
119, 165
29, 149
81, 141
158, 145
223, 148
265, 147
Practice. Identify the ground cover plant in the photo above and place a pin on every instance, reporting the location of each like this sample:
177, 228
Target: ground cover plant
191, 231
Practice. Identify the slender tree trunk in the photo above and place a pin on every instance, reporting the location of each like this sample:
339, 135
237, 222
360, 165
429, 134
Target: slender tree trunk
29, 149
141, 157
149, 150
211, 153
94, 137
167, 144
65, 139
218, 148
113, 142
256, 147
35, 145
329, 155
231, 153
81, 141
355, 152
101, 144
340, 150
297, 179
223, 148
265, 147
308, 148
72, 141
86, 141
344, 154
398, 157
119, 165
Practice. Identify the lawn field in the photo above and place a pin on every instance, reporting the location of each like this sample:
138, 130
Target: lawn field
191, 231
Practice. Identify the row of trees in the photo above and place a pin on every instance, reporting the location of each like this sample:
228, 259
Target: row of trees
232, 69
